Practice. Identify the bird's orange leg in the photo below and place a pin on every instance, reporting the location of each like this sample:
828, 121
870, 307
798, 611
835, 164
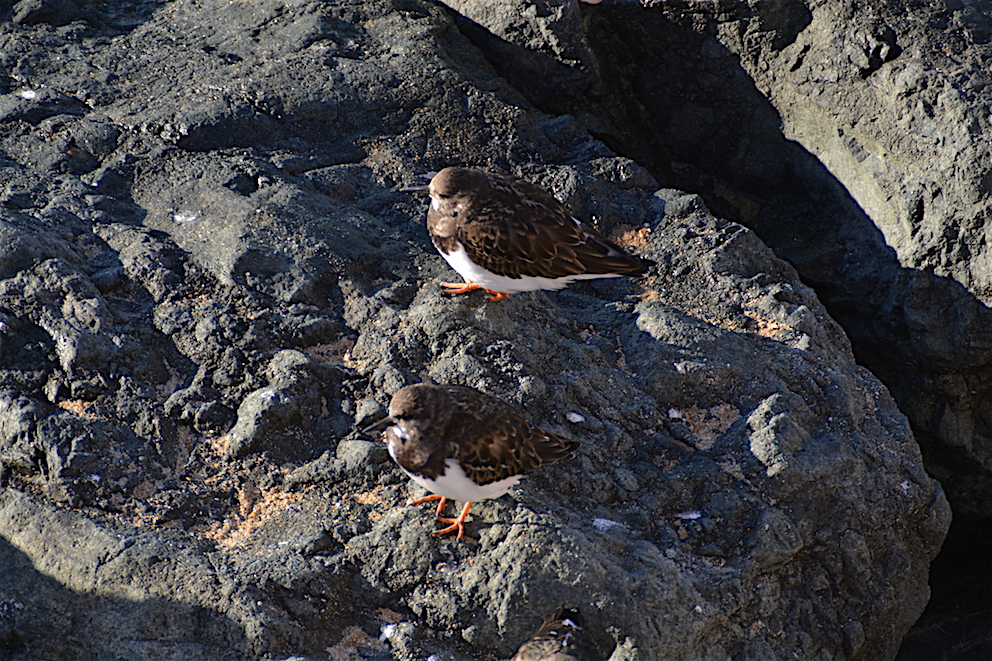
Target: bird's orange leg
460, 287
456, 524
465, 287
440, 506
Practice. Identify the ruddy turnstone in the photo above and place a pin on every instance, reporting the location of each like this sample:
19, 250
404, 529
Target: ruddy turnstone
560, 638
464, 445
505, 235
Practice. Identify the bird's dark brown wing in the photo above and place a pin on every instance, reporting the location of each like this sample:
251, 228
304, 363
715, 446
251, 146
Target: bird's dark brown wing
560, 638
495, 442
518, 229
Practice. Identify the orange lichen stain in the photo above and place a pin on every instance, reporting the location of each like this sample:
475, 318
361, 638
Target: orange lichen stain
390, 616
649, 295
373, 497
638, 238
706, 425
255, 507
768, 327
79, 408
369, 497
220, 444
346, 649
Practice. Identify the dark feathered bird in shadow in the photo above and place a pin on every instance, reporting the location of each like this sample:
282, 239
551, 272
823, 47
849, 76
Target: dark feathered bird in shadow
560, 638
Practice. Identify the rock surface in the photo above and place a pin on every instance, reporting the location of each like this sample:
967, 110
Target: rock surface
853, 138
208, 283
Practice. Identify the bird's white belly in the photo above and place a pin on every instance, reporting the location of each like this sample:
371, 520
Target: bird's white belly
454, 484
472, 272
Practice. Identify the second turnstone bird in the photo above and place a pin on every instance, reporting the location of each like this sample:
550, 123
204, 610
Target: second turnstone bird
463, 444
560, 638
505, 235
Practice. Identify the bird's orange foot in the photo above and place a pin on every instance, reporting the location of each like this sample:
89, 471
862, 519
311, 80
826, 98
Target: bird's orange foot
456, 524
460, 287
465, 287
426, 499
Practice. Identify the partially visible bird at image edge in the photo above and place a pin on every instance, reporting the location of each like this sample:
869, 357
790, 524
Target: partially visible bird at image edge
463, 444
560, 638
506, 235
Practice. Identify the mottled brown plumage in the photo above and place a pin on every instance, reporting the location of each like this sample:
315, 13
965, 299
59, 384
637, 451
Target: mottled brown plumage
560, 638
463, 444
515, 236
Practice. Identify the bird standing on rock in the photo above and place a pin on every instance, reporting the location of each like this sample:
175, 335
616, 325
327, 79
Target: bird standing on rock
463, 444
505, 235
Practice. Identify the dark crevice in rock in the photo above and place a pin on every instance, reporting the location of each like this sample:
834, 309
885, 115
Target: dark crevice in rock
951, 629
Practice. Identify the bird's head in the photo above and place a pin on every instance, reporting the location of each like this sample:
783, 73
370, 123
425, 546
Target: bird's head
453, 189
418, 414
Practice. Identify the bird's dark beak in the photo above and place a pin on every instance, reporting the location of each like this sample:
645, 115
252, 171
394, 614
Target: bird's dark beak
424, 188
378, 426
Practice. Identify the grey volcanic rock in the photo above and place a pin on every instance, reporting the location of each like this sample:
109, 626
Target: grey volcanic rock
540, 47
210, 283
864, 124
897, 111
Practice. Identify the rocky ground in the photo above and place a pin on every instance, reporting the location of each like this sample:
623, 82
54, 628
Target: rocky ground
209, 283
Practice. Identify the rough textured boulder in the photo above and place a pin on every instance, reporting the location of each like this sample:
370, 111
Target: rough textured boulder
902, 125
208, 283
864, 126
853, 138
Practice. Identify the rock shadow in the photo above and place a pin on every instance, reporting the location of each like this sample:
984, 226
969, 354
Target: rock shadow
925, 336
109, 18
952, 629
40, 618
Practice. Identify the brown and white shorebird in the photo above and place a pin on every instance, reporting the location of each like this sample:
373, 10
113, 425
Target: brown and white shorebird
560, 638
463, 444
505, 235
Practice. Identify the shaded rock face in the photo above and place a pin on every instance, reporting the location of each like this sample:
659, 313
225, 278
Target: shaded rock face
208, 283
853, 139
909, 142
